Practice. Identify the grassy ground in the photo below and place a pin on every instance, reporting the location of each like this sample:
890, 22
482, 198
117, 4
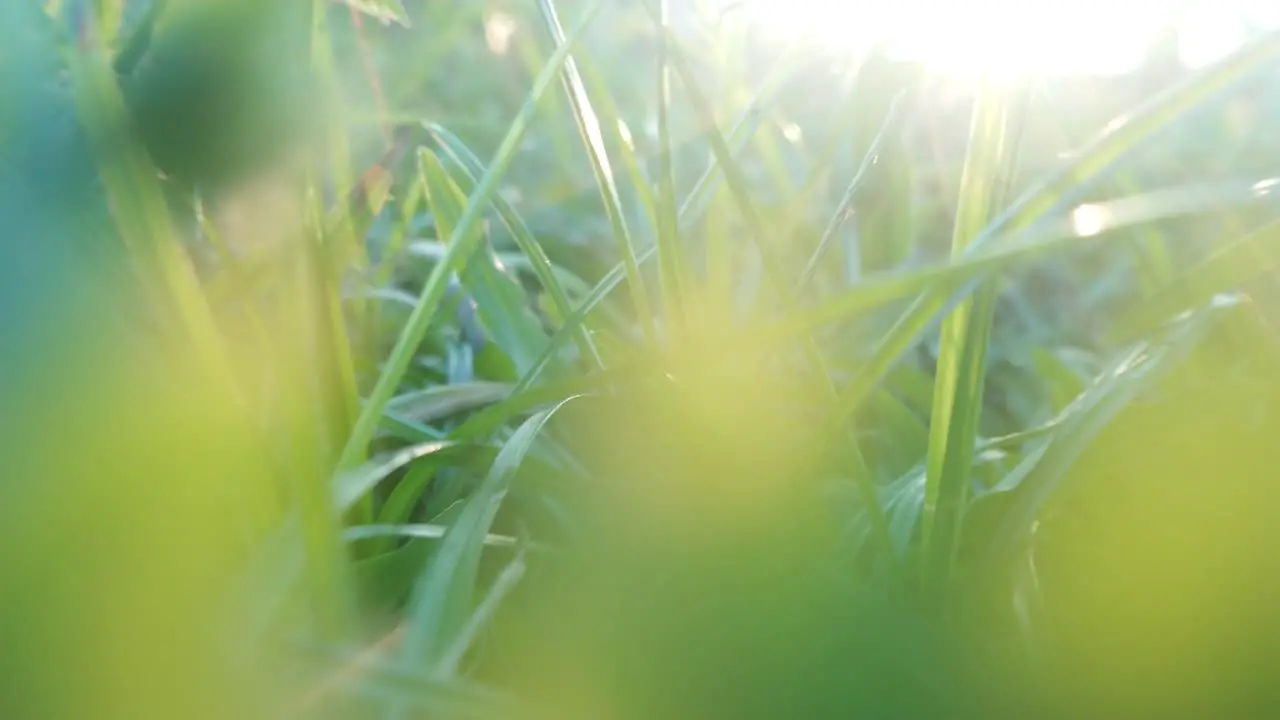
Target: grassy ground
649, 373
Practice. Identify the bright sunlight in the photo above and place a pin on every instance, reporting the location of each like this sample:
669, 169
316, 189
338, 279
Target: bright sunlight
1037, 37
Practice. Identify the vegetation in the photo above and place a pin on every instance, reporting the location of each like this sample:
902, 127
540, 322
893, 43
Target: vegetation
589, 359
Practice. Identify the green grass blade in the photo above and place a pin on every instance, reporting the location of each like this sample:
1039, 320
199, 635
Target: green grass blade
1091, 164
335, 247
1128, 133
690, 211
1233, 265
846, 201
484, 612
588, 123
434, 289
781, 285
442, 596
470, 166
425, 531
607, 284
961, 369
607, 110
350, 486
439, 402
671, 263
958, 277
399, 505
499, 299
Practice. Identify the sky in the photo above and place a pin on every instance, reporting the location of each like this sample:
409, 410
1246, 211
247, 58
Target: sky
1016, 36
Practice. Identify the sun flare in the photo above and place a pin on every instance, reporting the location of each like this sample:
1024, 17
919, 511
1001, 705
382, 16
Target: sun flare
1006, 37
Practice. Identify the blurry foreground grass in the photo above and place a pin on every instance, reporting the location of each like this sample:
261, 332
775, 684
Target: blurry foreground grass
283, 437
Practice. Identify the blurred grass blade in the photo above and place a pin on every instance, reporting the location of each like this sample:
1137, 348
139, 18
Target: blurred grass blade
442, 595
1063, 188
523, 401
781, 285
384, 11
427, 531
350, 486
1128, 133
470, 166
433, 290
671, 265
961, 367
1233, 265
846, 201
443, 401
695, 203
484, 612
1041, 473
589, 128
398, 508
691, 210
607, 110
499, 299
1091, 222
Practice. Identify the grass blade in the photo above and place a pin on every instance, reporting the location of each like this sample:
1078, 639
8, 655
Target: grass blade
589, 128
782, 286
961, 370
846, 201
1231, 266
434, 289
443, 594
960, 275
1063, 188
670, 254
469, 165
500, 301
350, 486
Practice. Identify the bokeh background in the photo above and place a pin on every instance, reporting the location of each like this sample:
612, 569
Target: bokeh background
603, 359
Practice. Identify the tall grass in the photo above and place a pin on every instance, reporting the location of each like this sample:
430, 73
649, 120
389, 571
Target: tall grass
403, 453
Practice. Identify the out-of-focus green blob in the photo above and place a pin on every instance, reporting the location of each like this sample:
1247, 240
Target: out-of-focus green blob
225, 89
1159, 568
707, 582
120, 466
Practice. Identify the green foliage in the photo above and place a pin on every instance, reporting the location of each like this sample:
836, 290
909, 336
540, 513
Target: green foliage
423, 456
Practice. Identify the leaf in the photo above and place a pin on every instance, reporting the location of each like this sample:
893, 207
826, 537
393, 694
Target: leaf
424, 531
351, 485
846, 204
960, 276
694, 205
1058, 192
433, 290
553, 279
782, 286
589, 128
965, 337
499, 299
442, 401
442, 595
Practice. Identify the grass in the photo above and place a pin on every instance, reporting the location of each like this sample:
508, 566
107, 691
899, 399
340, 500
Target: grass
805, 464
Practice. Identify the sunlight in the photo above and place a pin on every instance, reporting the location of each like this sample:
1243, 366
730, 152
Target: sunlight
1089, 220
1031, 37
